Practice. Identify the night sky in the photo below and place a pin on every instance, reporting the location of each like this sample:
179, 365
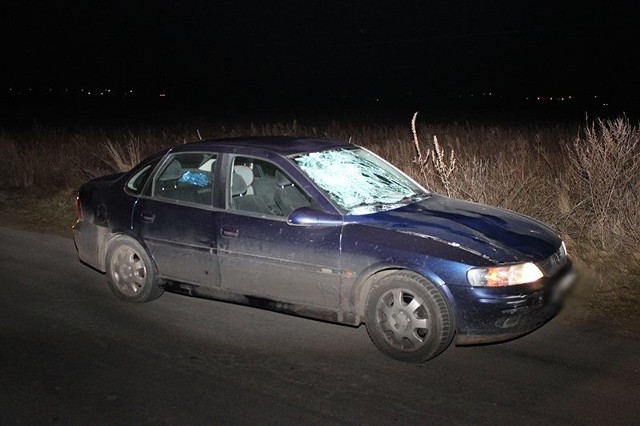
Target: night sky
308, 48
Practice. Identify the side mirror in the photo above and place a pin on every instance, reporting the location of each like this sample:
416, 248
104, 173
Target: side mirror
308, 216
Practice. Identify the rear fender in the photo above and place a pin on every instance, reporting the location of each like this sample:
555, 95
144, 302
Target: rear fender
91, 242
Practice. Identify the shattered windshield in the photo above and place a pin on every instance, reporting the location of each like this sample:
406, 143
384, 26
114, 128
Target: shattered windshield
359, 181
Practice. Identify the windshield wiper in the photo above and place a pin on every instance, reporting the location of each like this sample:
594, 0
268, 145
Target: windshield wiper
372, 204
372, 207
413, 198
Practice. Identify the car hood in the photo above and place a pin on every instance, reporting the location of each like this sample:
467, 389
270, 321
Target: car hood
490, 232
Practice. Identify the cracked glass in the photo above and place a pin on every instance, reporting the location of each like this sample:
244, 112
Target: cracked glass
359, 181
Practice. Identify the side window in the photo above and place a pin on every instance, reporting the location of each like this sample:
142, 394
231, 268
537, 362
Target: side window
136, 183
186, 177
259, 186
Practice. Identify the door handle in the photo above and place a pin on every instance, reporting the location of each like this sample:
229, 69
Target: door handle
147, 217
230, 233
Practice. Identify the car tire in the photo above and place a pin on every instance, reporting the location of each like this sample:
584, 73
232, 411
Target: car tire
131, 273
408, 318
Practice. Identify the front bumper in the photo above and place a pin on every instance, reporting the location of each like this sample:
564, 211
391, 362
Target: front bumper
487, 315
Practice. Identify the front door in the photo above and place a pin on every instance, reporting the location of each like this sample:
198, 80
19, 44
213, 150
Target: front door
268, 258
262, 255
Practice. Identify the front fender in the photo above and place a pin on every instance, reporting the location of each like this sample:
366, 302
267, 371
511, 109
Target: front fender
368, 254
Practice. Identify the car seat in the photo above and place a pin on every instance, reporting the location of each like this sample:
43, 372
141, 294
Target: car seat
287, 196
242, 200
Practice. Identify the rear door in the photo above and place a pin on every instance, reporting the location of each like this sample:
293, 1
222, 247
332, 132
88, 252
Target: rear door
177, 221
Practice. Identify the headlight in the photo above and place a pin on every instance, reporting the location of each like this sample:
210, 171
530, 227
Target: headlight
501, 276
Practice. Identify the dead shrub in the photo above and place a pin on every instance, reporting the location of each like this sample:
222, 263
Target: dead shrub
604, 172
434, 162
122, 156
498, 166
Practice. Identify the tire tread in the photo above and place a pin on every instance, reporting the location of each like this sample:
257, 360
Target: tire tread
447, 320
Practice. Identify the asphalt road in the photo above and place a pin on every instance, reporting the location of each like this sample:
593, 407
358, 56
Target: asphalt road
71, 353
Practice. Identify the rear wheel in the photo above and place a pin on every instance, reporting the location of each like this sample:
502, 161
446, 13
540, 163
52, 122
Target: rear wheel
131, 273
408, 318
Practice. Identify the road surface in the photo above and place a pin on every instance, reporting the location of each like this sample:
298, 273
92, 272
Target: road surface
71, 353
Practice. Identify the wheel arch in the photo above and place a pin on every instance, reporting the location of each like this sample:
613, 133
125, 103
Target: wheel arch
132, 274
371, 276
113, 237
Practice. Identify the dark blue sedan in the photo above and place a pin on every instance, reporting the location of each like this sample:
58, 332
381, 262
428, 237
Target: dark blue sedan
322, 229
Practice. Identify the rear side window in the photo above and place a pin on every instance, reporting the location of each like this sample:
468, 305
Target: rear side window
136, 183
186, 177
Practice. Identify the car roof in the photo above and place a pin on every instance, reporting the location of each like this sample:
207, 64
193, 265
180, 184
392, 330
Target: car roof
282, 145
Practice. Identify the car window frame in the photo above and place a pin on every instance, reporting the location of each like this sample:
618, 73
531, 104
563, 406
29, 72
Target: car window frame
342, 211
148, 192
229, 163
152, 161
137, 175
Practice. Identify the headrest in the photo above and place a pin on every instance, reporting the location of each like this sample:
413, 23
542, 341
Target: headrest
173, 170
238, 185
245, 172
282, 180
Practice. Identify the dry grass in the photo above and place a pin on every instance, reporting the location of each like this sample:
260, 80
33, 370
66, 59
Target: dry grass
122, 154
584, 182
18, 162
604, 172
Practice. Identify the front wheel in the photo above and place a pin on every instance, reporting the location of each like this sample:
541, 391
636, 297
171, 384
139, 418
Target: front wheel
408, 318
131, 273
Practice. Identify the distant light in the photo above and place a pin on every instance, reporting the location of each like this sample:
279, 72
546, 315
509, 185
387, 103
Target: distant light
605, 104
162, 95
